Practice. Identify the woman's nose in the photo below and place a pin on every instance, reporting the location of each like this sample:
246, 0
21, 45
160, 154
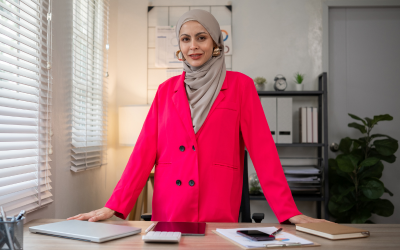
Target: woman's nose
193, 44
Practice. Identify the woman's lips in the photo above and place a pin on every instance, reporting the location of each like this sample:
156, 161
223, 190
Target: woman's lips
196, 57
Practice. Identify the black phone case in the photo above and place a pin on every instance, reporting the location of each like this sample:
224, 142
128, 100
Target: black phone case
262, 238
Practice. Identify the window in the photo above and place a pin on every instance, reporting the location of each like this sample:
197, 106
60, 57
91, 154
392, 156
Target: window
25, 105
89, 94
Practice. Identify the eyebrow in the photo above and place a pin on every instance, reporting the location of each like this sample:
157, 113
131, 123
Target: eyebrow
195, 35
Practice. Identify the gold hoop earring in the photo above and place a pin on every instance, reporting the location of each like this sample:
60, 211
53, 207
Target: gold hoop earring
177, 56
216, 52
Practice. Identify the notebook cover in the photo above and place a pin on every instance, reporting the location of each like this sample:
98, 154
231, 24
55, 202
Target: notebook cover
331, 228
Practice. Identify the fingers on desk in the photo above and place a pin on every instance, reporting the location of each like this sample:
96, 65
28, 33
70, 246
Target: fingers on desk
85, 216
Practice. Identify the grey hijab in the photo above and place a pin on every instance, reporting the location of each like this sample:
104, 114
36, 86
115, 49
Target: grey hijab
203, 83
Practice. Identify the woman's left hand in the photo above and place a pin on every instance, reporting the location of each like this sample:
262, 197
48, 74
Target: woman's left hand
298, 219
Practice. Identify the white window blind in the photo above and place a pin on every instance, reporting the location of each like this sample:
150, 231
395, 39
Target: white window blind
25, 104
89, 95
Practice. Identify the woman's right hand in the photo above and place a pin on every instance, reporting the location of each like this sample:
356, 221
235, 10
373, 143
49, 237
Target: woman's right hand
99, 214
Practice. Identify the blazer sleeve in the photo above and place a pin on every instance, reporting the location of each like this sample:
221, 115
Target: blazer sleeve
261, 146
139, 166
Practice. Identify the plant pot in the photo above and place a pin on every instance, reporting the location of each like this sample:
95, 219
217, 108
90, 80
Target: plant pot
299, 87
260, 87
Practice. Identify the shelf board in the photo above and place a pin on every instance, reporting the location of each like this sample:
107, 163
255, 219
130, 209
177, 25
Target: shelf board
290, 93
300, 157
308, 197
296, 197
299, 144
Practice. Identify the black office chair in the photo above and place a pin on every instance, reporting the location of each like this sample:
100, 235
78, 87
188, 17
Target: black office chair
244, 204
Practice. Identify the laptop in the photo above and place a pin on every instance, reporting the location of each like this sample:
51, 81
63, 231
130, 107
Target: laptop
85, 230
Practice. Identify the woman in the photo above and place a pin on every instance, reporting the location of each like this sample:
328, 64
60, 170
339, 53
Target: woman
195, 133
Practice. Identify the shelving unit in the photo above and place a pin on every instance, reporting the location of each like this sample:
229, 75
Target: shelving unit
322, 145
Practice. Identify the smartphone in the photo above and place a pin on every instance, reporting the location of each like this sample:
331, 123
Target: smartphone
256, 235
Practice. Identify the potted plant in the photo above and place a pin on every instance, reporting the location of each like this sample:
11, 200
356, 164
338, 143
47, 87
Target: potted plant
354, 176
254, 185
298, 78
260, 83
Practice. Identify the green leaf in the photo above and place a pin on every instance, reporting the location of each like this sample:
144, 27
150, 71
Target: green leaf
332, 163
355, 159
361, 217
356, 145
378, 118
369, 122
371, 171
389, 159
345, 163
358, 126
336, 175
388, 191
383, 207
380, 135
338, 205
357, 118
369, 161
362, 198
333, 205
386, 147
372, 188
345, 145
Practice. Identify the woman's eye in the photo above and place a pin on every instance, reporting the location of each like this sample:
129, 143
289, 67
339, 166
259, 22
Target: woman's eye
184, 39
202, 38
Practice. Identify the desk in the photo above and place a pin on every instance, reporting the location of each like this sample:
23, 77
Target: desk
383, 236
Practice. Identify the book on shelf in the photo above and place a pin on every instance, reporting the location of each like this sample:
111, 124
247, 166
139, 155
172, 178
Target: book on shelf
303, 124
308, 125
314, 125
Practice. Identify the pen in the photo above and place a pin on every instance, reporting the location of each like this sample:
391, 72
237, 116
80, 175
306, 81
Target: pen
21, 214
284, 245
276, 232
6, 229
150, 227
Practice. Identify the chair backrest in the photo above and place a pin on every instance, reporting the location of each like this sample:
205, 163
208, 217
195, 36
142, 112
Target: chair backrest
245, 203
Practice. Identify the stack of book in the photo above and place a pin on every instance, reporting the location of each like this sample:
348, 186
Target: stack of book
303, 179
308, 131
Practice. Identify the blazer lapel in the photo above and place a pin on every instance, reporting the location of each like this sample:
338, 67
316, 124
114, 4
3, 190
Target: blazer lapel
182, 104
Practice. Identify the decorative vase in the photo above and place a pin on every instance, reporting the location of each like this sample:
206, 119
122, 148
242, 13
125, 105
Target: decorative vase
260, 87
299, 87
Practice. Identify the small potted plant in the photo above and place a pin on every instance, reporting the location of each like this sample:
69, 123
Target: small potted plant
260, 83
254, 185
298, 78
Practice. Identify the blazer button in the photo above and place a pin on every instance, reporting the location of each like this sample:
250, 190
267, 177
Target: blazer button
191, 183
178, 182
182, 148
193, 148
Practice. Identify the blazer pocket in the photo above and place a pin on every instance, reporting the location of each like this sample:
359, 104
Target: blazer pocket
224, 165
227, 105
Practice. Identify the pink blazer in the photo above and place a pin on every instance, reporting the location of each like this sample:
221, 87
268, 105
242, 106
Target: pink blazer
199, 177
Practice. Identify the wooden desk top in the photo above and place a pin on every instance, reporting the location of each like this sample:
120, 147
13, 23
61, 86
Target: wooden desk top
383, 236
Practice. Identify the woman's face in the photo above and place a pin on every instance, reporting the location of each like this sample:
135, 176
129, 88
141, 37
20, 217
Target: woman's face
196, 43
